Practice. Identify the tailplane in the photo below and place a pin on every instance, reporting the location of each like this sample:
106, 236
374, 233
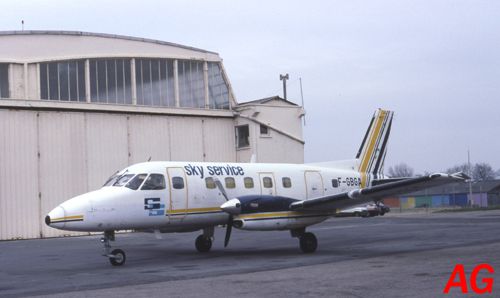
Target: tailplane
371, 154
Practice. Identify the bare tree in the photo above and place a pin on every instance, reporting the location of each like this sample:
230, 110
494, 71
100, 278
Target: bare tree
400, 170
479, 171
483, 171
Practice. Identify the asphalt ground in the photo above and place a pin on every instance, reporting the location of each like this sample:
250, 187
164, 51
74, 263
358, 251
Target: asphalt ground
397, 255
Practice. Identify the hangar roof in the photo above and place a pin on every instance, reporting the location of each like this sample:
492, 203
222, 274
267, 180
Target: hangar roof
267, 100
489, 186
35, 46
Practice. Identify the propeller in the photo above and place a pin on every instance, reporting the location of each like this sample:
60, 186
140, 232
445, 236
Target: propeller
231, 207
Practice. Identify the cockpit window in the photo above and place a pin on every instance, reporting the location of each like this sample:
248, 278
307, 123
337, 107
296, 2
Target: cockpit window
136, 182
111, 180
154, 182
122, 180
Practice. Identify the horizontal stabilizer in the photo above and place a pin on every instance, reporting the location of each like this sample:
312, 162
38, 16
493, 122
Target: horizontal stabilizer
375, 193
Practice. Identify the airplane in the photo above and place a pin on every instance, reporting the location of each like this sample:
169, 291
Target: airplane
171, 196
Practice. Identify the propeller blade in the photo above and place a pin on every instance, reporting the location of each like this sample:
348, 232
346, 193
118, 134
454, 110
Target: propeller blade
221, 188
228, 231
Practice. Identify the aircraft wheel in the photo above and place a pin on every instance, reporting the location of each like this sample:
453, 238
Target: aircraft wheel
203, 244
118, 257
308, 243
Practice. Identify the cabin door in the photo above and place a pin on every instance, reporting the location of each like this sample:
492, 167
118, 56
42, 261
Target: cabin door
178, 191
267, 185
314, 184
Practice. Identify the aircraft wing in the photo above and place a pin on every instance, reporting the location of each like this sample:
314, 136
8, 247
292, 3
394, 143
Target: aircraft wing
377, 192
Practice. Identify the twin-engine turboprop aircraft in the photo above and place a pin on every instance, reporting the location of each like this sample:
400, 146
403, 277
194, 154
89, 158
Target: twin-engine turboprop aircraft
188, 196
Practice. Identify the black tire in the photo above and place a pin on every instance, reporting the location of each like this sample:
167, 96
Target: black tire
308, 243
118, 258
357, 214
365, 214
203, 244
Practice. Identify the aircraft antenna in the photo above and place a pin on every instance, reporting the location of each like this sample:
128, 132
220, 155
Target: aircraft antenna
302, 98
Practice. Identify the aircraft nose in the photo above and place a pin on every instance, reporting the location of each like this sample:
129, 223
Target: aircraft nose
56, 217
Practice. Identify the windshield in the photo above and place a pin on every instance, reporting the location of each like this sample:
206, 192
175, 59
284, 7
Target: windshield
122, 180
111, 180
136, 182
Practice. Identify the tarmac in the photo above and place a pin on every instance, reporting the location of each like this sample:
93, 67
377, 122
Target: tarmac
397, 255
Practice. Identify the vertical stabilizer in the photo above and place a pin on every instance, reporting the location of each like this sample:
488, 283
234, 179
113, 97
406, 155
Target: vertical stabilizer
372, 152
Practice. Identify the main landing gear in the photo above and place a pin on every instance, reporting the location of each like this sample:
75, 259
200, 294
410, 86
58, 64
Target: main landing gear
116, 256
203, 242
308, 242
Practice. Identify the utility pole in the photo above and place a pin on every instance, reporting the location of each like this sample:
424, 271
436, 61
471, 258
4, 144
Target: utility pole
469, 201
284, 78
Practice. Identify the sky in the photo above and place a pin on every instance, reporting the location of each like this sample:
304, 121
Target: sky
436, 63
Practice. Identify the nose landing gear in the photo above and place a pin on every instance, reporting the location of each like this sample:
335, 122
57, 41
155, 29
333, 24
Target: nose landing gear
117, 256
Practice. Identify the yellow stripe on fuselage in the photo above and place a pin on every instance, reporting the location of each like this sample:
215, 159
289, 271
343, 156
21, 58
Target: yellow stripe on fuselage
66, 218
193, 210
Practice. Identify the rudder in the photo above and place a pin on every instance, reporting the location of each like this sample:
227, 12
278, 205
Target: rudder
371, 153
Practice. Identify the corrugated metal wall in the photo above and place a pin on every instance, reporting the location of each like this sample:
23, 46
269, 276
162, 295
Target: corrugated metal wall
48, 157
19, 203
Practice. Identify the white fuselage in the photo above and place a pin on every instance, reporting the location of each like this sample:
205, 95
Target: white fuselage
189, 201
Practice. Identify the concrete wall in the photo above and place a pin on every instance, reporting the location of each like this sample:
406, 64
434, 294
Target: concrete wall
47, 157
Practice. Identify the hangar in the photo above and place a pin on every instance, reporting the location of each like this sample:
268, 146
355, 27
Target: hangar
75, 107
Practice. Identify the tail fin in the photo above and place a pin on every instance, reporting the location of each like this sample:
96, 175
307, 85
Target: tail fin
371, 154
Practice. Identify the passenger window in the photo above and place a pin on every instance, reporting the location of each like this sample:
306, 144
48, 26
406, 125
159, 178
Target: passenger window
248, 181
177, 182
136, 181
335, 183
210, 182
287, 182
154, 182
230, 182
122, 180
268, 182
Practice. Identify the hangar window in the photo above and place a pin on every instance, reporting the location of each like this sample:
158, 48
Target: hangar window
154, 182
230, 183
268, 182
248, 181
264, 130
177, 182
136, 182
110, 81
155, 82
63, 80
335, 183
242, 136
4, 80
287, 182
217, 87
191, 84
210, 182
